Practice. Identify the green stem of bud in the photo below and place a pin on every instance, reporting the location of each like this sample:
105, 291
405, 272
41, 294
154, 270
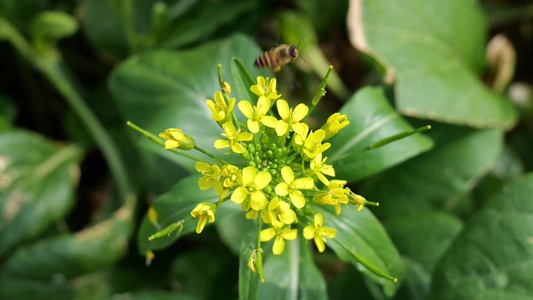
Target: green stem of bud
365, 262
319, 94
168, 230
398, 136
160, 142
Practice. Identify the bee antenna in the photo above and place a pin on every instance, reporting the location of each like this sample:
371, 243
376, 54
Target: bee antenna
303, 59
299, 43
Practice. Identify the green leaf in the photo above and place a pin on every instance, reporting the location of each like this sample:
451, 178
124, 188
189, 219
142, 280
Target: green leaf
205, 272
54, 25
243, 81
436, 50
292, 274
417, 281
492, 258
232, 230
371, 119
324, 17
212, 15
37, 181
176, 205
61, 267
164, 89
437, 179
363, 233
248, 280
424, 238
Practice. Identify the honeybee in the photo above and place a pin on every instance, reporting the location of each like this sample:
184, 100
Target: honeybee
277, 57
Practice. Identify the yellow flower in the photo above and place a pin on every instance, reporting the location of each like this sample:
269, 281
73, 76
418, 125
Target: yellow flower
251, 189
334, 124
319, 168
234, 138
358, 200
334, 195
257, 114
230, 178
175, 138
204, 211
279, 213
265, 88
220, 109
313, 144
211, 177
319, 233
291, 187
281, 235
290, 119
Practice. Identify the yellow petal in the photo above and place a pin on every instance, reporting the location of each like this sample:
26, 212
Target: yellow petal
221, 144
245, 136
297, 199
258, 200
171, 144
290, 234
279, 245
267, 234
239, 195
219, 99
309, 232
300, 128
204, 183
248, 175
253, 126
211, 106
304, 183
283, 109
328, 170
263, 105
322, 178
288, 217
261, 81
262, 179
282, 189
281, 127
328, 232
319, 220
300, 112
269, 121
287, 174
246, 108
319, 244
201, 223
237, 148
258, 90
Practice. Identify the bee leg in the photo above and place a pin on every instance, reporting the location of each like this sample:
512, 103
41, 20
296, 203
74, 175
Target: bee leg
277, 69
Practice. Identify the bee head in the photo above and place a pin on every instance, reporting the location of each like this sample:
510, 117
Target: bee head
293, 52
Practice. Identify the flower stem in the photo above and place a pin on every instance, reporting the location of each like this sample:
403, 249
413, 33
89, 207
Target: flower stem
319, 94
158, 141
219, 160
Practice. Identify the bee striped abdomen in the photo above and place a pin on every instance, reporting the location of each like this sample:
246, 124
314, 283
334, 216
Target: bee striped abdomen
266, 60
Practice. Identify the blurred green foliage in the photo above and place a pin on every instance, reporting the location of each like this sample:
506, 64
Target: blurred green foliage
454, 220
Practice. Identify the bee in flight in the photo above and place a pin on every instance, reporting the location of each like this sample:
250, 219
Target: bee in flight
278, 57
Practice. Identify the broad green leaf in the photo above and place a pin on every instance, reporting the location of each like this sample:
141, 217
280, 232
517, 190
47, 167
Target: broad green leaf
292, 274
176, 205
248, 280
212, 15
61, 267
371, 119
232, 230
492, 258
53, 25
37, 182
436, 49
417, 281
363, 233
437, 179
243, 81
165, 89
347, 283
206, 272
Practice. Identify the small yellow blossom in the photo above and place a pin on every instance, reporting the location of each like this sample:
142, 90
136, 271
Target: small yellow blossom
257, 114
227, 88
175, 138
220, 109
290, 119
319, 233
334, 124
334, 195
358, 200
279, 213
204, 211
281, 235
234, 138
266, 88
251, 189
230, 178
319, 168
211, 177
291, 187
313, 144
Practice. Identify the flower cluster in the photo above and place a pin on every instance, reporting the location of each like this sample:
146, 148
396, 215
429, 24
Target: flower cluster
284, 168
